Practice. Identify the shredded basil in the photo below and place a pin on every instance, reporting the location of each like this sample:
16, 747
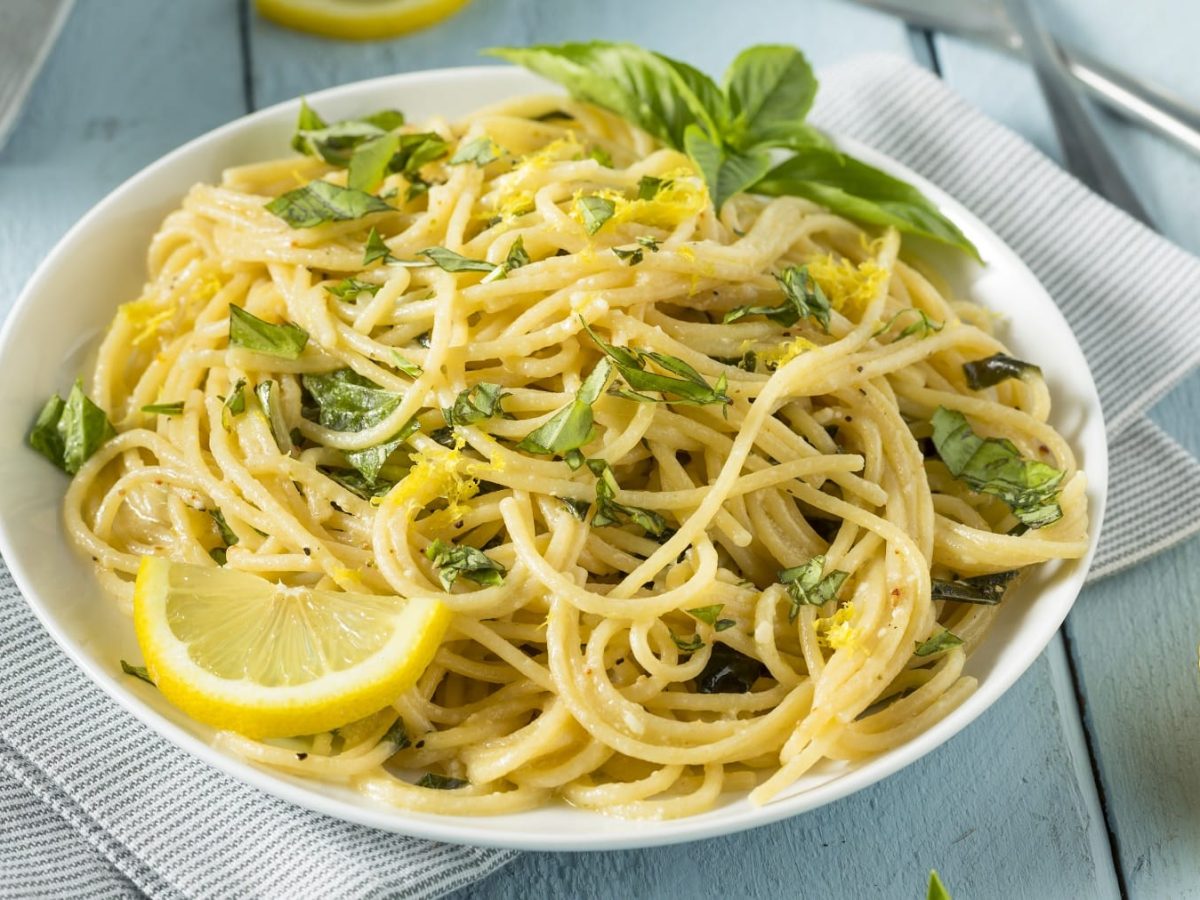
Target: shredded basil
803, 298
138, 672
808, 585
480, 151
610, 512
441, 782
449, 261
577, 508
164, 409
406, 365
268, 400
631, 363
995, 466
235, 404
478, 402
943, 640
923, 326
988, 372
637, 254
67, 432
649, 186
350, 288
252, 333
322, 201
689, 644
453, 560
986, 589
572, 426
706, 614
396, 735
594, 211
728, 671
376, 249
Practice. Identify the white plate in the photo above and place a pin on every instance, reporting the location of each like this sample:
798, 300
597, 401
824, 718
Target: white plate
101, 262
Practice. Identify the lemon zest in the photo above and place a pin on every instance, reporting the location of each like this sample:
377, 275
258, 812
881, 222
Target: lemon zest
849, 287
836, 632
785, 353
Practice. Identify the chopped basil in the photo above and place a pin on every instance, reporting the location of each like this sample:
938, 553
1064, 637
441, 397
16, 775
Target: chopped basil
334, 143
164, 409
453, 560
449, 261
268, 400
376, 249
706, 614
937, 890
322, 201
574, 459
572, 426
649, 186
396, 735
516, 258
138, 672
577, 508
728, 671
228, 535
631, 363
808, 585
441, 782
723, 624
995, 466
988, 372
235, 404
407, 366
478, 402
595, 211
803, 297
350, 288
480, 151
252, 333
922, 326
610, 512
687, 645
944, 640
638, 253
356, 483
602, 156
986, 589
67, 432
407, 153
345, 401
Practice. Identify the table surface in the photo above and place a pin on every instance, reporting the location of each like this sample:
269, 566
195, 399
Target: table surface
1082, 781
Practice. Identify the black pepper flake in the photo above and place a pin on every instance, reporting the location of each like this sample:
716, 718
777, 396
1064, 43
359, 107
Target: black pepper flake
419, 744
307, 551
301, 756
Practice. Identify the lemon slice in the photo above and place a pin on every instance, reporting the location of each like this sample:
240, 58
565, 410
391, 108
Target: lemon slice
236, 651
359, 20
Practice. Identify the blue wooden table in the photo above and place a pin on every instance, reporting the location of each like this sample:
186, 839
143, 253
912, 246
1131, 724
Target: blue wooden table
1084, 780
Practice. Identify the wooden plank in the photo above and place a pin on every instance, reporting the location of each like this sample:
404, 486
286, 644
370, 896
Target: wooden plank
993, 810
127, 81
1133, 635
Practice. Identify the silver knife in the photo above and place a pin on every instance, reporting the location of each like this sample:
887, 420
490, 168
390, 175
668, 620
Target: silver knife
28, 29
986, 22
1084, 151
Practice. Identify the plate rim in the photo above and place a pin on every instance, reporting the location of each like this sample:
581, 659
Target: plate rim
459, 830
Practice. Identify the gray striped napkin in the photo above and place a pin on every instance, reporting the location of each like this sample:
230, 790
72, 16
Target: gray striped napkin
93, 804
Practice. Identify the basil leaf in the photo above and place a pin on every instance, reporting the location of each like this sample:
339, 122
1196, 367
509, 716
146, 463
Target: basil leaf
164, 409
637, 254
516, 258
228, 535
572, 426
610, 512
322, 201
396, 735
235, 404
370, 163
858, 191
807, 585
631, 363
803, 297
350, 288
602, 156
988, 372
249, 331
944, 640
376, 249
937, 890
334, 143
345, 401
985, 589
68, 432
706, 614
995, 466
308, 120
478, 402
269, 402
356, 483
574, 459
923, 325
449, 261
726, 171
660, 95
369, 461
577, 508
595, 211
728, 671
138, 672
480, 151
441, 782
453, 561
649, 186
406, 365
687, 645
770, 89
723, 624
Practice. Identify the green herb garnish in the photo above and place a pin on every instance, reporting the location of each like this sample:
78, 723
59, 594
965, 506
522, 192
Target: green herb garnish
164, 409
923, 326
631, 363
577, 508
252, 333
478, 402
943, 640
449, 261
594, 211
803, 297
349, 288
706, 614
480, 151
572, 426
319, 202
67, 432
610, 512
986, 589
268, 400
235, 404
728, 671
986, 373
808, 585
138, 672
441, 782
687, 645
453, 560
376, 249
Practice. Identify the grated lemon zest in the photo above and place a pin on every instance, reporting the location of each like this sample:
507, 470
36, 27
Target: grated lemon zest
836, 632
849, 287
785, 353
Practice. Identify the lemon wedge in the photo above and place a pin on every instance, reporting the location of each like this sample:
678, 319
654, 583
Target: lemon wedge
240, 652
358, 20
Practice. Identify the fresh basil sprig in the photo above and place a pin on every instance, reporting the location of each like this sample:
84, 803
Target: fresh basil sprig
807, 584
995, 466
453, 561
252, 333
572, 426
990, 371
729, 130
690, 387
67, 432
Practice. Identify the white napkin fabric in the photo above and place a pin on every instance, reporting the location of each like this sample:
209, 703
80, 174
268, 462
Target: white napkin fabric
94, 804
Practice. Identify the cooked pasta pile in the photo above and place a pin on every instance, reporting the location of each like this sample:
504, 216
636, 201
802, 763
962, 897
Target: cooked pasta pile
685, 556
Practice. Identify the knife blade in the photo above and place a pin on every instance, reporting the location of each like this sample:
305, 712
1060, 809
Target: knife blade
28, 29
986, 23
